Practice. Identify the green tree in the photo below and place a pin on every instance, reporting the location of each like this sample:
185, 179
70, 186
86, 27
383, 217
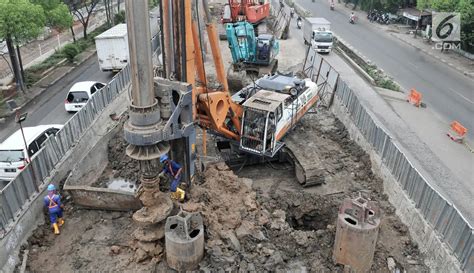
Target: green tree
444, 5
56, 12
20, 21
423, 4
83, 10
466, 8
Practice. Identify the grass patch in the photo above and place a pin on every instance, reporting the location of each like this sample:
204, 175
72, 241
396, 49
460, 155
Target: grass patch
380, 78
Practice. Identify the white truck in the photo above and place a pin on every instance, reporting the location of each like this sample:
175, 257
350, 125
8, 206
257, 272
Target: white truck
112, 44
112, 48
317, 33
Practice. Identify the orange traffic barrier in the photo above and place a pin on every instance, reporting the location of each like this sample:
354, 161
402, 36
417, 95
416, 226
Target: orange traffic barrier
414, 97
457, 132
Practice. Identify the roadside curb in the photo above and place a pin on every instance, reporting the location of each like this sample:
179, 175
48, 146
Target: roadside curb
361, 71
470, 75
37, 94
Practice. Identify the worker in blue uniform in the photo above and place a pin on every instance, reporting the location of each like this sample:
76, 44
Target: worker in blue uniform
52, 201
174, 170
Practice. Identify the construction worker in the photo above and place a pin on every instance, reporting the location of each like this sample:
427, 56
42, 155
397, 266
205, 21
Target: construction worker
55, 209
174, 170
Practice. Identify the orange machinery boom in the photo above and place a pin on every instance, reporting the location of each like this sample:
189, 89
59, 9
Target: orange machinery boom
212, 108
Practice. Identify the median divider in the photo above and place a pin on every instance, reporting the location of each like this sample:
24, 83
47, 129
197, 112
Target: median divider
342, 47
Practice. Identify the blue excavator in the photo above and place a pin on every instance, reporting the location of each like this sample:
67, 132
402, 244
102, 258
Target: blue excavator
250, 53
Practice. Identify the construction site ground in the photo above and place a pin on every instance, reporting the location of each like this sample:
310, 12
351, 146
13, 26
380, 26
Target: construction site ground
257, 218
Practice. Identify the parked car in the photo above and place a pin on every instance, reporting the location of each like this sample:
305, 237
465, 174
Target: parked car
13, 153
80, 93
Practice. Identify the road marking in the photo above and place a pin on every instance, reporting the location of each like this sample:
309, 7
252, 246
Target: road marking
462, 96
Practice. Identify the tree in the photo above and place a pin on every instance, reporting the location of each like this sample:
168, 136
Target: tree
83, 10
20, 21
56, 12
109, 14
466, 8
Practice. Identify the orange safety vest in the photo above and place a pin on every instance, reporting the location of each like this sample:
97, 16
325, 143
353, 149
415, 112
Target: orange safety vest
52, 204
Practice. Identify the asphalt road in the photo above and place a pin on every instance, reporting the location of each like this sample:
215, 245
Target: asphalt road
447, 91
48, 108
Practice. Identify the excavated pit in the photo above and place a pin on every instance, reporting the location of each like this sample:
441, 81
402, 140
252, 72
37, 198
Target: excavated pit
258, 220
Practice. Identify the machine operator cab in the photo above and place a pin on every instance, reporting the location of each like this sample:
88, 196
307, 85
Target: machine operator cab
267, 48
262, 112
269, 113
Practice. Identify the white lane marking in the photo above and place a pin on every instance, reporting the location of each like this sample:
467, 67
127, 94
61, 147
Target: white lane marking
462, 96
412, 64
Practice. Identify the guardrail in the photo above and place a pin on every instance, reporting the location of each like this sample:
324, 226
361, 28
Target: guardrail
443, 216
15, 195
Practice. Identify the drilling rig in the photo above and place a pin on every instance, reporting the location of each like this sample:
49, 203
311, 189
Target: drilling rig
164, 111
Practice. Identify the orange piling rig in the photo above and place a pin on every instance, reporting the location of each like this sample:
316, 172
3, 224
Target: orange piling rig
213, 108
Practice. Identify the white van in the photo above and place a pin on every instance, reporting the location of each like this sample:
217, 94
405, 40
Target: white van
80, 93
14, 156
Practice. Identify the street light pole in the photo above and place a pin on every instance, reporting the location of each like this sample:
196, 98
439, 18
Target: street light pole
19, 119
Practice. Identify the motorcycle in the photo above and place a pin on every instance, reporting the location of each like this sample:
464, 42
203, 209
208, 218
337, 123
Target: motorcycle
384, 19
372, 15
352, 19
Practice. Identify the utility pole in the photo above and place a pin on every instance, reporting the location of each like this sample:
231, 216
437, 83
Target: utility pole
19, 118
15, 64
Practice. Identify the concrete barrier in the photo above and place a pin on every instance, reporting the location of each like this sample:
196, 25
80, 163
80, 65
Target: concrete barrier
102, 198
32, 216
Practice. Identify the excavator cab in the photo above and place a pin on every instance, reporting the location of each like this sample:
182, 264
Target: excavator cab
267, 49
261, 115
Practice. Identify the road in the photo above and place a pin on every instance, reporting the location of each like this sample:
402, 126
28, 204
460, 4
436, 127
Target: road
446, 90
48, 108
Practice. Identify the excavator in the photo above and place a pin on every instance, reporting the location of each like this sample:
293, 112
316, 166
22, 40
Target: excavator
250, 53
253, 122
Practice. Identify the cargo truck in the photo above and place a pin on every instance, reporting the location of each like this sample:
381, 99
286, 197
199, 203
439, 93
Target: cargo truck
112, 45
317, 33
112, 48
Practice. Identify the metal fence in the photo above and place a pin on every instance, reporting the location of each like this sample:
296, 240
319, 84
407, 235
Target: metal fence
323, 74
445, 219
16, 194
